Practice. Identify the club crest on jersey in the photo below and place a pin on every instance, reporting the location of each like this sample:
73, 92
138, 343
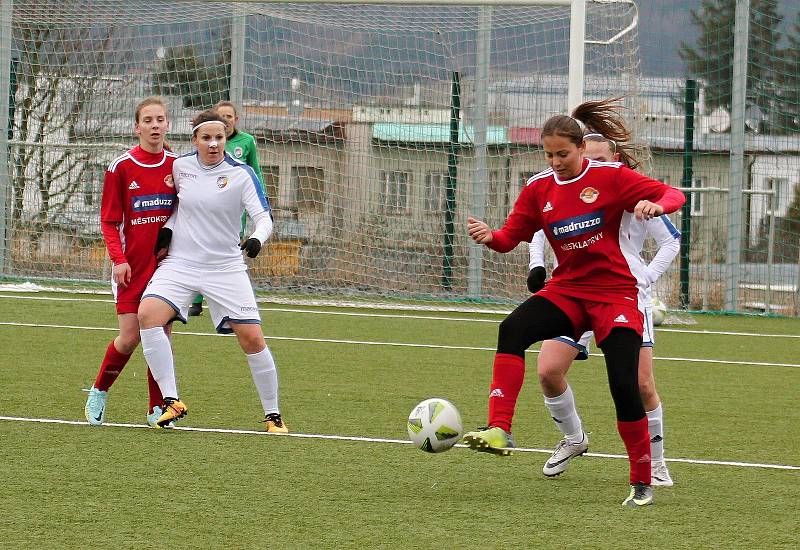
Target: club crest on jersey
238, 152
589, 195
168, 181
222, 182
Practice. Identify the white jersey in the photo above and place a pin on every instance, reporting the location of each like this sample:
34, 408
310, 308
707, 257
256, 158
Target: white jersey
662, 230
206, 223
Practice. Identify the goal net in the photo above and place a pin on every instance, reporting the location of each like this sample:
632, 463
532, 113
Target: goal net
379, 127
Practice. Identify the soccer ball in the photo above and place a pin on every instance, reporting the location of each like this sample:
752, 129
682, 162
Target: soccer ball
434, 425
659, 312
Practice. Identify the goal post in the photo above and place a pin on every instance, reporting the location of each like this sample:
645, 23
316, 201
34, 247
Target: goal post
5, 92
380, 126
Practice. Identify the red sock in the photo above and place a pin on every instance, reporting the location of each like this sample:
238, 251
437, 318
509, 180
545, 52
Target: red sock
507, 376
154, 392
110, 368
637, 442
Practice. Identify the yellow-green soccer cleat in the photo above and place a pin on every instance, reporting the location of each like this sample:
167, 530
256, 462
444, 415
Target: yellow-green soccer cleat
641, 495
274, 424
490, 440
174, 409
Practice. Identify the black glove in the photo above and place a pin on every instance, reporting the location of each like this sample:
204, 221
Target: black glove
163, 239
536, 279
252, 246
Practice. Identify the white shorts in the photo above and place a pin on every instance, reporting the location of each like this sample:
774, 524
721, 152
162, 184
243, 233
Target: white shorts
229, 294
648, 334
581, 345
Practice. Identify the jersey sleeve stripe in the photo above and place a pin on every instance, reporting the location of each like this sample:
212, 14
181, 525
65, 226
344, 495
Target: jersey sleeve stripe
539, 176
670, 227
116, 161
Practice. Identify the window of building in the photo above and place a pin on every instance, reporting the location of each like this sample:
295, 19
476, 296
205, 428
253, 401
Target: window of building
778, 202
435, 191
271, 183
698, 198
308, 188
394, 190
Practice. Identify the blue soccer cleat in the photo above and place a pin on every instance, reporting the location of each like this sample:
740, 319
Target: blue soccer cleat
95, 409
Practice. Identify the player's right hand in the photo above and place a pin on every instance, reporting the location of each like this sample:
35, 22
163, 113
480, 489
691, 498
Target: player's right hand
479, 231
121, 274
162, 242
536, 278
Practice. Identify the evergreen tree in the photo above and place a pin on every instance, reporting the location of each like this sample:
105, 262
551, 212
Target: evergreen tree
711, 58
201, 80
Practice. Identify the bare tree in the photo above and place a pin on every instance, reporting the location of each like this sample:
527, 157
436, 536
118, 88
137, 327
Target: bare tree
61, 87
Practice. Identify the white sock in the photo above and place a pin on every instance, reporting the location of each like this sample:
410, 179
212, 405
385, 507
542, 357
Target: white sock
655, 423
562, 410
158, 354
265, 377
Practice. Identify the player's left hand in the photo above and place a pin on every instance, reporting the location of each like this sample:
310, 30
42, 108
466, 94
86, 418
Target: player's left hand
252, 246
645, 210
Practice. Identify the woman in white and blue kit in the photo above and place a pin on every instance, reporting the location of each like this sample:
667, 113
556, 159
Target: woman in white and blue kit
202, 254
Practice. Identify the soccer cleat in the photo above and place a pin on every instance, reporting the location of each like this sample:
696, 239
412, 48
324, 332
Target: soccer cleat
660, 474
196, 309
565, 451
152, 418
174, 409
274, 424
641, 495
95, 409
490, 440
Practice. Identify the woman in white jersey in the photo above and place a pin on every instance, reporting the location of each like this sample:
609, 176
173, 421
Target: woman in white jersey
556, 356
202, 255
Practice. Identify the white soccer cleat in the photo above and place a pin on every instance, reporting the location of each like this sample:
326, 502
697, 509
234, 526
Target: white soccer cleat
565, 451
659, 474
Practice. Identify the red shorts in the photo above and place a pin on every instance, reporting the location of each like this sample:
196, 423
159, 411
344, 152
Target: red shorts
128, 297
600, 317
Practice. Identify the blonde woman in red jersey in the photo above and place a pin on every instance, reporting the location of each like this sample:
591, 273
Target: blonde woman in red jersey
585, 208
138, 197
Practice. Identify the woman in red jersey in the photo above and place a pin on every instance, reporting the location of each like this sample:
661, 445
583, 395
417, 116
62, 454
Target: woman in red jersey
585, 208
138, 197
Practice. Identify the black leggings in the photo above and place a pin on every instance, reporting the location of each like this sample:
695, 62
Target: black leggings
537, 319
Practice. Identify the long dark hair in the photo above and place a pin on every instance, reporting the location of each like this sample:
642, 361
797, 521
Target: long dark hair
598, 117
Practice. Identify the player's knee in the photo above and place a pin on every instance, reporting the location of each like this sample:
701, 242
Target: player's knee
149, 316
252, 342
509, 336
551, 373
126, 344
647, 389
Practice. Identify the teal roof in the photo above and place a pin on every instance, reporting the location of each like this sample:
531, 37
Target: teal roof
434, 133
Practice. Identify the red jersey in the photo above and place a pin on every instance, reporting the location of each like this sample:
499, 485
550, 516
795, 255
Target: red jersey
138, 197
586, 221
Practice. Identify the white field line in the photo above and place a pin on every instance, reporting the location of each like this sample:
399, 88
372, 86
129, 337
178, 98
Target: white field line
396, 344
382, 440
411, 316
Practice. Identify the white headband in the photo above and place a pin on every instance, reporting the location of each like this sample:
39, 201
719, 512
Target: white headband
207, 122
581, 125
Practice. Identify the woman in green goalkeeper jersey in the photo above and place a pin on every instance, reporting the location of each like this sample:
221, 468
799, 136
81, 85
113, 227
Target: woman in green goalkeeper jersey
241, 146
